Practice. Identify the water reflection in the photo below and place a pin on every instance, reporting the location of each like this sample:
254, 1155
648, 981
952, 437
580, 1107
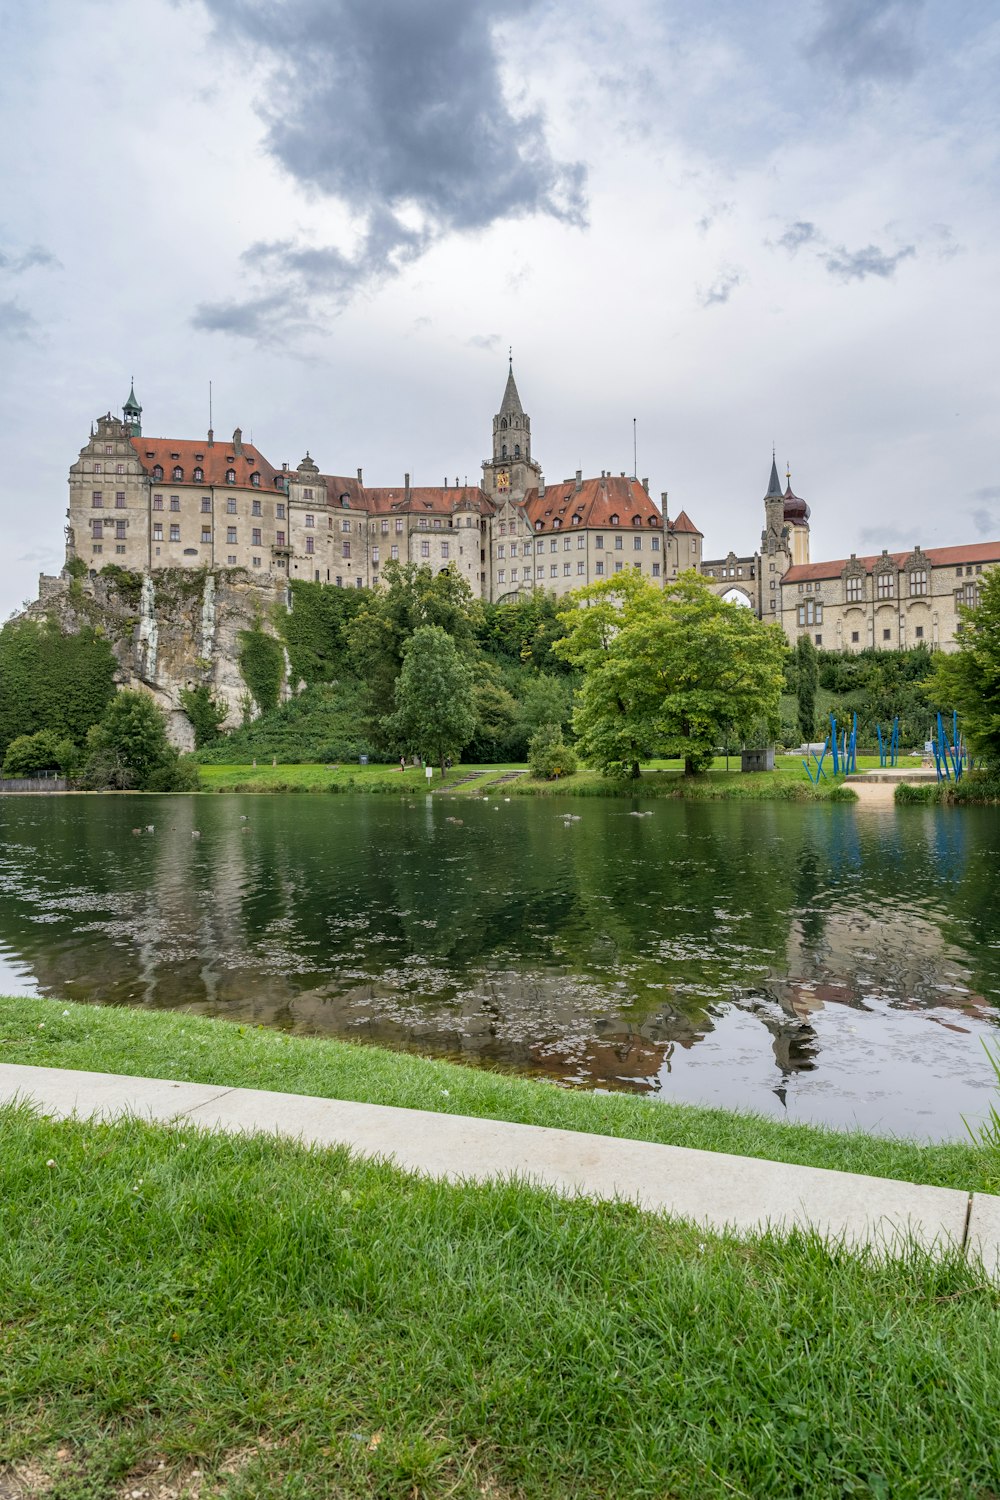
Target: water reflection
810, 961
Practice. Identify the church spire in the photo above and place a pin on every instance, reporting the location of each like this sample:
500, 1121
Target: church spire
132, 413
774, 487
511, 403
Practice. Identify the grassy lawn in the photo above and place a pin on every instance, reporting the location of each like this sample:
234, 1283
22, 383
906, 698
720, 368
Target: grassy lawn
165, 1044
247, 1318
660, 778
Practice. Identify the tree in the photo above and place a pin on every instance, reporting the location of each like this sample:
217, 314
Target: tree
669, 671
52, 681
435, 714
807, 673
129, 749
969, 679
407, 598
205, 713
548, 757
31, 753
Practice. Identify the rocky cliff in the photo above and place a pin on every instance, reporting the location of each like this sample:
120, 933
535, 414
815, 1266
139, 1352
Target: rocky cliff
172, 629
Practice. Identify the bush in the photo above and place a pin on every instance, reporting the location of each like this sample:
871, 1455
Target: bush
262, 667
982, 785
31, 753
179, 773
205, 713
129, 748
922, 792
548, 758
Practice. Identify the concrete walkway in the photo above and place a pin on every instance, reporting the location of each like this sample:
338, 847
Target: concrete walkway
710, 1188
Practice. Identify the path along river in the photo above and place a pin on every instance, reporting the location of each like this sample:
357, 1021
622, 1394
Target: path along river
830, 963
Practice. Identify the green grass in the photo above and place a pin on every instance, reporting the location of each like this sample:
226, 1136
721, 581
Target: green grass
301, 1324
163, 1044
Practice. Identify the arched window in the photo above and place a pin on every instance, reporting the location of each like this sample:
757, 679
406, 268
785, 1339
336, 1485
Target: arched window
178, 472
230, 476
503, 453
199, 474
503, 424
157, 471
517, 450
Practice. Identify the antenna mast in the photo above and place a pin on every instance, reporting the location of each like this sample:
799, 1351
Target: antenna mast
635, 450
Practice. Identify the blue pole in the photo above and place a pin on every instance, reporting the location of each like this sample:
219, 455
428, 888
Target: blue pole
833, 740
881, 747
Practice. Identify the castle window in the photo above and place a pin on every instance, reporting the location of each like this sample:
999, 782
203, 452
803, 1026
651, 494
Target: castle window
231, 535
919, 632
311, 545
97, 499
958, 572
581, 540
279, 511
500, 550
394, 553
636, 520
157, 470
255, 508
178, 472
655, 543
384, 527
576, 520
255, 561
175, 533
445, 550
854, 637
619, 544
206, 534
818, 640
504, 451
230, 507
425, 549
157, 531
279, 483
175, 502
637, 544
885, 587
614, 520
399, 526
206, 505
199, 475
656, 570
279, 538
231, 559
310, 520
887, 635
437, 523
97, 468
513, 549
513, 574
230, 476
502, 575
345, 524
598, 542
618, 567
517, 450
255, 480
119, 500
854, 590
567, 543
97, 528
581, 566
566, 570
918, 581
694, 545
503, 528
599, 567
556, 524
255, 537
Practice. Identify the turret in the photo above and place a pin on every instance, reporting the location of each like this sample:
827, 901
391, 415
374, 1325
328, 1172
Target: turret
132, 414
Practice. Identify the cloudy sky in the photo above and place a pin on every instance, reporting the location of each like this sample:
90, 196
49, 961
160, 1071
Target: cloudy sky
738, 223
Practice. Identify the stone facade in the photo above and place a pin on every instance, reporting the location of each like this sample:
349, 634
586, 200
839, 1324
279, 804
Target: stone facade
148, 504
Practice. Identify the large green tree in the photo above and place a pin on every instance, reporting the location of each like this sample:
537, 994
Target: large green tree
50, 680
668, 671
807, 681
434, 694
969, 679
407, 598
129, 749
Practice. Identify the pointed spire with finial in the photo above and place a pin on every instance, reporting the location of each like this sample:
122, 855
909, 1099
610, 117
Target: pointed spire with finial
511, 403
774, 485
132, 413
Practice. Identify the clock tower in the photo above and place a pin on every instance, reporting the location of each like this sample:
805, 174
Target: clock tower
512, 470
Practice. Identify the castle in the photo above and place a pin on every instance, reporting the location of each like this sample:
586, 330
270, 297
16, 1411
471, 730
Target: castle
149, 503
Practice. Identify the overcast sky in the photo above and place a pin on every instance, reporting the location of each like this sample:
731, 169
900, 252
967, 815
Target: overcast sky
739, 223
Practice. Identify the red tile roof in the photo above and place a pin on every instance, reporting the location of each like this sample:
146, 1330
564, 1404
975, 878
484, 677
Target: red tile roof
685, 523
337, 485
213, 459
424, 499
595, 502
937, 557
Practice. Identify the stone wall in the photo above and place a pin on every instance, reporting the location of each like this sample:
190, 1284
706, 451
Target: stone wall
171, 629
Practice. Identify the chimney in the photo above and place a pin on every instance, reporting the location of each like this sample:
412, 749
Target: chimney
456, 481
284, 468
406, 488
645, 484
579, 480
360, 480
446, 481
541, 486
238, 441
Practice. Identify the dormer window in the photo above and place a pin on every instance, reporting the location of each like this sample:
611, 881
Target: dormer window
157, 471
199, 475
255, 479
178, 472
279, 483
614, 520
556, 523
538, 525
576, 520
636, 520
230, 476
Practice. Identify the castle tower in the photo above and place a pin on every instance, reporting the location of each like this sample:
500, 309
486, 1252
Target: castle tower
512, 470
796, 514
132, 414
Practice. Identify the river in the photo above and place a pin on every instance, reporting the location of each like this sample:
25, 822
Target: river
824, 963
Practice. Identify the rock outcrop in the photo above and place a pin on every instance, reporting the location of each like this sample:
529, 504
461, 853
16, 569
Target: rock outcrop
171, 629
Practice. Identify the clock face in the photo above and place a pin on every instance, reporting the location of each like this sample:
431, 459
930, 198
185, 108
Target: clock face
503, 480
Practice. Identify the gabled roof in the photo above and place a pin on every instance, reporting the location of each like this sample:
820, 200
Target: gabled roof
937, 557
595, 502
337, 485
213, 459
442, 500
684, 523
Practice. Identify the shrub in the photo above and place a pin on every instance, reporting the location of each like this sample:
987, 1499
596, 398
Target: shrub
548, 758
205, 713
262, 667
922, 792
31, 753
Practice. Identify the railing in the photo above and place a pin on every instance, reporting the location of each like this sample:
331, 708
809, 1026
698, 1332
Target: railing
43, 783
